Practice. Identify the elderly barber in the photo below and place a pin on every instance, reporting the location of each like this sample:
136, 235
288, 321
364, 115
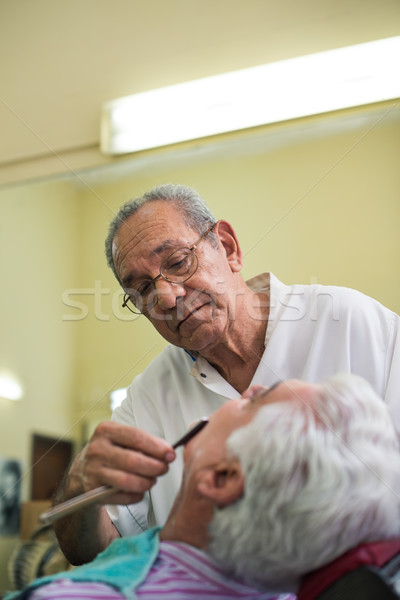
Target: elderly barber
180, 268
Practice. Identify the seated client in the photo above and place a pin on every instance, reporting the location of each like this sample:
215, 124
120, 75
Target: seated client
278, 483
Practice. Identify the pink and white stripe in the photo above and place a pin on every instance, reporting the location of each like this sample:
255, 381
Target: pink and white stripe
181, 572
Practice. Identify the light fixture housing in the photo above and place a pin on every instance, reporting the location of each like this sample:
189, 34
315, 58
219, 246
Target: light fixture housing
289, 89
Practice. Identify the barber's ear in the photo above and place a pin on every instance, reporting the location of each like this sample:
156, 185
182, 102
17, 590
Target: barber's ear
229, 241
223, 484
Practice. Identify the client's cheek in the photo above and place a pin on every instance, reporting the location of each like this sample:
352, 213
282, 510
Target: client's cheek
191, 451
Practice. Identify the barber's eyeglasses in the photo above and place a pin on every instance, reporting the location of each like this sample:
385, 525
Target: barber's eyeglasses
178, 267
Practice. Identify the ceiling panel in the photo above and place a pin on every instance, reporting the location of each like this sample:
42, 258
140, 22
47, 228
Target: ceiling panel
61, 60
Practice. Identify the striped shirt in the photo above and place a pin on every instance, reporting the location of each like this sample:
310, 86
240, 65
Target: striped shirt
180, 572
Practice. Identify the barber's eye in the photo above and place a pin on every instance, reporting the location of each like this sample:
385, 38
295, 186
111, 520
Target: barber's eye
144, 288
177, 263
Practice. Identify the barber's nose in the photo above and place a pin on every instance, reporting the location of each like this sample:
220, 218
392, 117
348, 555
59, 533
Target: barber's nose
168, 292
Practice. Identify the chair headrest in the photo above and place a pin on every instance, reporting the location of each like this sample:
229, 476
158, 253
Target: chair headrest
376, 554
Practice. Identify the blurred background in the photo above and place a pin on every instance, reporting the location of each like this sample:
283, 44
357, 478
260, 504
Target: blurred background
314, 199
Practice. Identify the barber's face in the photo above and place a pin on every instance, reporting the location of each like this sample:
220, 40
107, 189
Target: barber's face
208, 447
193, 314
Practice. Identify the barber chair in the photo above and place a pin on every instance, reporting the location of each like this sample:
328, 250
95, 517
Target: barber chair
367, 572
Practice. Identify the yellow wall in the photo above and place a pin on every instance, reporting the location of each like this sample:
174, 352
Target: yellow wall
315, 202
39, 234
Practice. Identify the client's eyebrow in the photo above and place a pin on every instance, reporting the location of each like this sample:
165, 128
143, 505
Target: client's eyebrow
191, 433
263, 393
273, 386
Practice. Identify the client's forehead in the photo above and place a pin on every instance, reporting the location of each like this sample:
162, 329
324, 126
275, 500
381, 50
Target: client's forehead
281, 391
237, 413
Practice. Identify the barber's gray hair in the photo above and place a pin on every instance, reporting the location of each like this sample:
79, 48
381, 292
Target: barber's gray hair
195, 211
320, 478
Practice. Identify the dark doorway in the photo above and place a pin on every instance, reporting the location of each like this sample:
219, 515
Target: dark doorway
50, 458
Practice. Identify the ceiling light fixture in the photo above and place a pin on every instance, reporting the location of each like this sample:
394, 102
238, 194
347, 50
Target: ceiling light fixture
289, 89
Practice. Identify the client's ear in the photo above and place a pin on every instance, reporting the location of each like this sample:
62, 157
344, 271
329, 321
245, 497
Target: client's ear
223, 483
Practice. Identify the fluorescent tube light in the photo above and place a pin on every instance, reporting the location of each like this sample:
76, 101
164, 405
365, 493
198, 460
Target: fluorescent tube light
298, 87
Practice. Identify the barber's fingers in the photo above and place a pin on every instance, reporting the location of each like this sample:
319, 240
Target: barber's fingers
131, 486
135, 439
104, 462
124, 457
101, 455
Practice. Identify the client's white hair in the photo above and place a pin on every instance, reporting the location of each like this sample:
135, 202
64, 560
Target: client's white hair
320, 478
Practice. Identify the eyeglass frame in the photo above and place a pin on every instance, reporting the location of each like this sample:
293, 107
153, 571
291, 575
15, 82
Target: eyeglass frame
126, 296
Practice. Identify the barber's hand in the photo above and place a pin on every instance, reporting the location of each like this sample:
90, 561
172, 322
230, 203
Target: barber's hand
123, 457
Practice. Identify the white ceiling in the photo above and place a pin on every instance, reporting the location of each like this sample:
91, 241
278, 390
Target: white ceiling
60, 60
